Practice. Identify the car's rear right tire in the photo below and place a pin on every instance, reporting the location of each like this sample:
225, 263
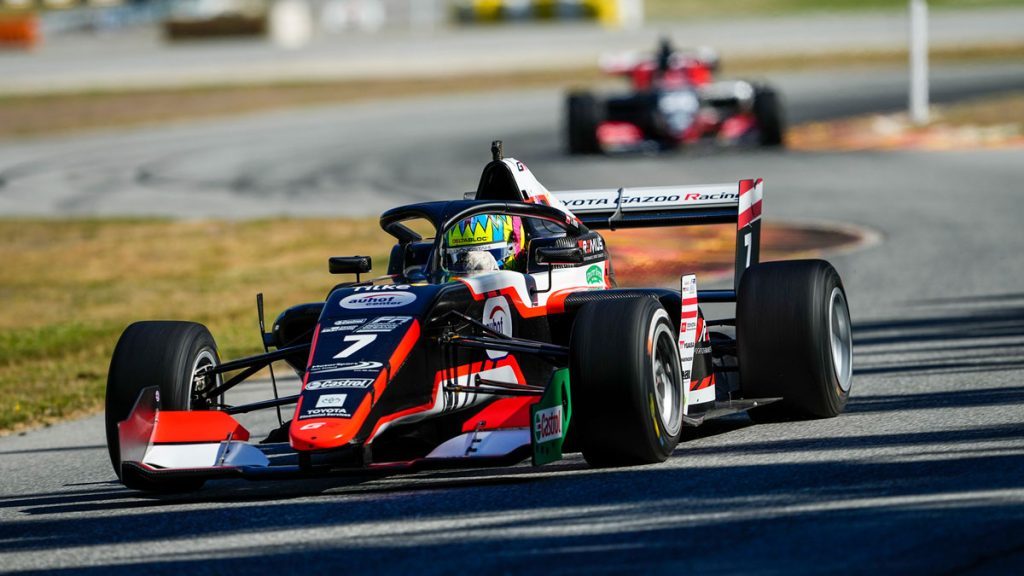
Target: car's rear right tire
166, 354
582, 118
771, 121
627, 385
794, 339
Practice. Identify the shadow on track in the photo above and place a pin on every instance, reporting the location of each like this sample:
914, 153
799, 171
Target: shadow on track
963, 335
592, 521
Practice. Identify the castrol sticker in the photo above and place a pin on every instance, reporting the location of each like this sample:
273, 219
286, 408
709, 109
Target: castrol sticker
547, 424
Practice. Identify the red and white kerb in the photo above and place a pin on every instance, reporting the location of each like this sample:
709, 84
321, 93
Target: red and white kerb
751, 194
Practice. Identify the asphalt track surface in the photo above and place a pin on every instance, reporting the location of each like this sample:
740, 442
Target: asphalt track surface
924, 473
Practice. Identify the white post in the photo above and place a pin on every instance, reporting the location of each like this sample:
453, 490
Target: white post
919, 62
425, 14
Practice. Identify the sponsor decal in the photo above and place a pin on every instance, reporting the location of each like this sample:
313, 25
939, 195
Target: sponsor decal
385, 324
520, 166
346, 325
326, 413
333, 329
547, 424
377, 300
591, 245
381, 287
691, 325
346, 366
595, 275
343, 325
703, 350
312, 426
331, 400
341, 383
497, 317
722, 196
610, 200
550, 417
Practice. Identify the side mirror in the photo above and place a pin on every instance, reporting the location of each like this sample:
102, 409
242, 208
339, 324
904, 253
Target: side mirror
350, 265
551, 256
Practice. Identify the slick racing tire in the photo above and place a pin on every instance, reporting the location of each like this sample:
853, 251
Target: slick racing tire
582, 118
794, 339
165, 354
627, 383
770, 119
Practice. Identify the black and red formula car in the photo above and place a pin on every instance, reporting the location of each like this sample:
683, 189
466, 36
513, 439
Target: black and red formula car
461, 358
674, 100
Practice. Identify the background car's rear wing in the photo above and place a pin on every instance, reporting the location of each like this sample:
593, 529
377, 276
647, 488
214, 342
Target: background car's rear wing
677, 206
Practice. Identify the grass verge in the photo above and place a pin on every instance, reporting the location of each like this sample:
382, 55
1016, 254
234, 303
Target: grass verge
69, 287
26, 115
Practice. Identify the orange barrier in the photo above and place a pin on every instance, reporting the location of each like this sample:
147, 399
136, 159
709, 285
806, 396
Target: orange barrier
19, 31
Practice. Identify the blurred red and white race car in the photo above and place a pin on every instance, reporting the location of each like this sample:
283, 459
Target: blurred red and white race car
674, 100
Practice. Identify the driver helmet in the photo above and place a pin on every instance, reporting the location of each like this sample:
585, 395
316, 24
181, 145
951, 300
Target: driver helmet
485, 243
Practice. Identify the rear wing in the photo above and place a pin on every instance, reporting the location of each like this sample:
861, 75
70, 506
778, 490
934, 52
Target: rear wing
740, 203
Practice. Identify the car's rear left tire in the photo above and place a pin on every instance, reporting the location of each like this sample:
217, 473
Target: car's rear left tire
166, 354
794, 339
626, 381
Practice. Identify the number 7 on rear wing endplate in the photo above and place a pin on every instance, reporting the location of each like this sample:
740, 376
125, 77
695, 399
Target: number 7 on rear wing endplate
664, 206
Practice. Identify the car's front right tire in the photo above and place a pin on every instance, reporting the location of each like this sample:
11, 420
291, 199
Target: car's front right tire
166, 354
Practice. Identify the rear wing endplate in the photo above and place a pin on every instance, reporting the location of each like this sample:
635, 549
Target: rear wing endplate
740, 203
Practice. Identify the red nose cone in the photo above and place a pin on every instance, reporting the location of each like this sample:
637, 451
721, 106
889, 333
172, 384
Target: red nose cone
327, 433
319, 434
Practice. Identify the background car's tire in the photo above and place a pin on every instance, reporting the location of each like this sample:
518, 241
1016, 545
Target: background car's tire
794, 339
582, 118
771, 121
627, 387
162, 353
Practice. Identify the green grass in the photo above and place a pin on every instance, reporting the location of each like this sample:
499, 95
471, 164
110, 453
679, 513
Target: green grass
70, 287
684, 9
